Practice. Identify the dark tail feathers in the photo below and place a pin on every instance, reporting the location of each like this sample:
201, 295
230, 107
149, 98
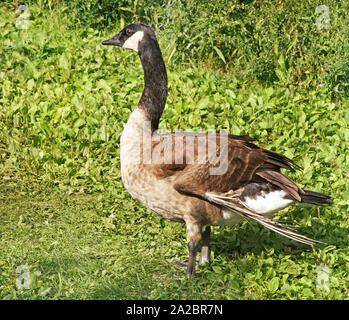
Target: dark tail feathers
313, 197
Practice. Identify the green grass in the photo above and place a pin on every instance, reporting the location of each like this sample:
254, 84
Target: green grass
74, 251
66, 215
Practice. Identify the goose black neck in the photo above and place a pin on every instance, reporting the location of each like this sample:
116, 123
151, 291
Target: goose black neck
154, 95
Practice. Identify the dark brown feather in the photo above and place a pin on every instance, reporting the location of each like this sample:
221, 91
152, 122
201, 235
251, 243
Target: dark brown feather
282, 182
247, 163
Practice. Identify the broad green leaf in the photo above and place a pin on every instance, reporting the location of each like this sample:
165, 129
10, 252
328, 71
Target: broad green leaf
273, 284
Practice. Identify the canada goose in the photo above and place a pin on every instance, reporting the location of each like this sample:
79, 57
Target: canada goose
167, 174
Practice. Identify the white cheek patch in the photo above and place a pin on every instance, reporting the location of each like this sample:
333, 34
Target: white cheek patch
133, 41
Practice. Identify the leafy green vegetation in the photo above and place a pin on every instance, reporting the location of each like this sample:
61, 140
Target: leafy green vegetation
64, 98
285, 41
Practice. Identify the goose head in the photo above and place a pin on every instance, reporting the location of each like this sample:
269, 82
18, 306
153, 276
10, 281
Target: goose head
135, 36
142, 39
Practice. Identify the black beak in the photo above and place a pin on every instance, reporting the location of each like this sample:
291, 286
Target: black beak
114, 41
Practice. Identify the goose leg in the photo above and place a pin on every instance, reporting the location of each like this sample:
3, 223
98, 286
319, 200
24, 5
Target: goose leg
193, 249
205, 250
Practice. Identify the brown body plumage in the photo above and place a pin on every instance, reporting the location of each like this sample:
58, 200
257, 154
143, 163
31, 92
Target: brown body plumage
167, 174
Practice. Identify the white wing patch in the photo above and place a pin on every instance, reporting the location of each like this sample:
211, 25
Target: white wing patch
132, 42
265, 204
268, 203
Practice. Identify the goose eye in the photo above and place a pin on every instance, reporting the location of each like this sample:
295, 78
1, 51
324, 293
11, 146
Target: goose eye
128, 32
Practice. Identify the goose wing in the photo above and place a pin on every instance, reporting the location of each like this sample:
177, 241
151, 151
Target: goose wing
229, 165
245, 163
